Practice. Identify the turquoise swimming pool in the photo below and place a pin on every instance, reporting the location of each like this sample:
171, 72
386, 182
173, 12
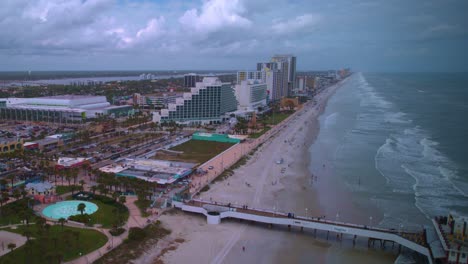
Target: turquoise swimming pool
67, 208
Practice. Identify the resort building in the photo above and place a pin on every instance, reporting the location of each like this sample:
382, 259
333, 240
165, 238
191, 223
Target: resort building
10, 144
158, 171
156, 100
250, 75
251, 95
60, 109
40, 188
290, 60
207, 103
276, 78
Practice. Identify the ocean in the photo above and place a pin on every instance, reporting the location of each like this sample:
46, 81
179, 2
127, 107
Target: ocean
397, 142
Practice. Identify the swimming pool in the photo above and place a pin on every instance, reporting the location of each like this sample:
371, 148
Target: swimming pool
67, 208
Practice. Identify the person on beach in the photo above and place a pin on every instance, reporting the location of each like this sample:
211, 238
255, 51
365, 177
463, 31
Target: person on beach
243, 248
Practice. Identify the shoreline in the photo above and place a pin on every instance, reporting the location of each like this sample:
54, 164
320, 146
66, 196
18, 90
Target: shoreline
262, 183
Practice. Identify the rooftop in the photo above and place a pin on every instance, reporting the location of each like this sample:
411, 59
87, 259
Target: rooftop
69, 97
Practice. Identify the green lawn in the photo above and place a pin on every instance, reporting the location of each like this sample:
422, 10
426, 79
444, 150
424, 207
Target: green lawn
258, 134
197, 151
108, 212
276, 118
55, 244
16, 211
66, 189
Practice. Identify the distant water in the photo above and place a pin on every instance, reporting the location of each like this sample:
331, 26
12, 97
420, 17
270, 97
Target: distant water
400, 142
85, 80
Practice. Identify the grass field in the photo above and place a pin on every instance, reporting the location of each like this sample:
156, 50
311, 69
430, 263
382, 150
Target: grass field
197, 151
54, 244
276, 118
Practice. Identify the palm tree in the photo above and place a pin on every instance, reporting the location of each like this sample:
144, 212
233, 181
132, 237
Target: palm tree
3, 184
93, 189
81, 207
82, 182
62, 221
27, 233
40, 222
115, 195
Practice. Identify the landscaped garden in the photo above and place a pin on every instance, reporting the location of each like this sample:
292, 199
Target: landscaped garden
110, 213
15, 212
53, 244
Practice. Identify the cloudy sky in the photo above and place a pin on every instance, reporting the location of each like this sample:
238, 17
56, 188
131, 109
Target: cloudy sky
367, 35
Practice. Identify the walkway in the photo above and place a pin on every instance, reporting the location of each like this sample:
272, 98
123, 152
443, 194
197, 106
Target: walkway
412, 240
135, 219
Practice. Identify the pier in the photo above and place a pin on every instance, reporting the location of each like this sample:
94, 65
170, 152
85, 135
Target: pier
215, 212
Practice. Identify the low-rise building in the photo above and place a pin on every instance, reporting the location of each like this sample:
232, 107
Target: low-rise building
158, 171
10, 144
60, 109
40, 188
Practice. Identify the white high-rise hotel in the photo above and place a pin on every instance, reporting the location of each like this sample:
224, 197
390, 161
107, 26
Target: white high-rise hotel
279, 74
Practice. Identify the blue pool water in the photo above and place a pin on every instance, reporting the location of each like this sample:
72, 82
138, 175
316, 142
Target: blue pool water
68, 208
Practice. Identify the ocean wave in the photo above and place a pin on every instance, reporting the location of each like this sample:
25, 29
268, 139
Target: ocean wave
398, 118
432, 174
369, 97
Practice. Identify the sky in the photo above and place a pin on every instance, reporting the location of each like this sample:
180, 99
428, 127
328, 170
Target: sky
366, 35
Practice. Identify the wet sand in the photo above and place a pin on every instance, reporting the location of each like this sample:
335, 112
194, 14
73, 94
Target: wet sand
287, 187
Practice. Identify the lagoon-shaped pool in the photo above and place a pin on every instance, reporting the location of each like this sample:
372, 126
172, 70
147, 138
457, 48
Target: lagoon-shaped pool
68, 208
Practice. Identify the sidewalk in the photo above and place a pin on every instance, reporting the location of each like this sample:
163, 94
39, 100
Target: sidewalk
134, 220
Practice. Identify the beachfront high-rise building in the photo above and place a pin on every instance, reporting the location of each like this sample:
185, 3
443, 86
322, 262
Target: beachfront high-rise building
276, 78
206, 103
250, 75
251, 94
191, 79
291, 68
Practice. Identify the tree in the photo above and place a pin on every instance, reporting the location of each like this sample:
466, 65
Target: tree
122, 199
62, 221
27, 233
82, 182
81, 207
11, 246
115, 195
17, 193
93, 189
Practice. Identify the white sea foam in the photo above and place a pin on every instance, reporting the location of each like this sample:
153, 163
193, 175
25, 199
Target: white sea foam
331, 119
398, 118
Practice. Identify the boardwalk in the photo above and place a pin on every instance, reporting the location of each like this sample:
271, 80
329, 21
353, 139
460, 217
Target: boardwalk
216, 211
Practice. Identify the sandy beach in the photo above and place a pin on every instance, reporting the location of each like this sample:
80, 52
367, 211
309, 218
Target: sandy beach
286, 187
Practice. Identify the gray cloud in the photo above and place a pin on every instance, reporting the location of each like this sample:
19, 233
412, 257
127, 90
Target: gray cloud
229, 34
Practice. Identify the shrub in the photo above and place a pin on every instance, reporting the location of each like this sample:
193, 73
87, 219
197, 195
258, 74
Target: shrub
82, 218
117, 231
136, 233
